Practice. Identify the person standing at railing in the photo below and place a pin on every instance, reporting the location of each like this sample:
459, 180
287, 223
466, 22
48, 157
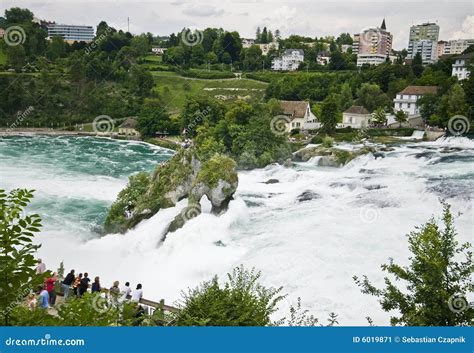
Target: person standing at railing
137, 294
84, 285
50, 284
76, 284
41, 267
67, 282
96, 285
125, 292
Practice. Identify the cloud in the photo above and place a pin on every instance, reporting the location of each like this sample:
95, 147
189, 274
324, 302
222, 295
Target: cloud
203, 11
467, 29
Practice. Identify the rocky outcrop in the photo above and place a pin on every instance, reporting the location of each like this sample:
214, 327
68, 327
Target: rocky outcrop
330, 156
183, 176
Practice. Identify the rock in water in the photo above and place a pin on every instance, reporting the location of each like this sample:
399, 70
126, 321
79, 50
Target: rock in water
307, 196
272, 181
183, 176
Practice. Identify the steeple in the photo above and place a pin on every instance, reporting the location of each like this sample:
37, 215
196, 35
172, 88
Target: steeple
383, 25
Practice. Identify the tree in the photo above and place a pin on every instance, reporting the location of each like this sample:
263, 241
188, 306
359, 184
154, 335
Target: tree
346, 96
417, 65
16, 57
379, 116
329, 112
401, 117
56, 48
17, 271
371, 97
436, 283
252, 58
153, 118
140, 81
429, 105
241, 301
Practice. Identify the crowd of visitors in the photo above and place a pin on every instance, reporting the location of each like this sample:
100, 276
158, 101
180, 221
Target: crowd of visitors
73, 285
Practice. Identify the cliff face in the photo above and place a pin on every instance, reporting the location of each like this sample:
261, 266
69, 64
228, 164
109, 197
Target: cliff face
183, 176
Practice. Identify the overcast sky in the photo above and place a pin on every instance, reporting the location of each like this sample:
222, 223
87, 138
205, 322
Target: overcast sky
311, 18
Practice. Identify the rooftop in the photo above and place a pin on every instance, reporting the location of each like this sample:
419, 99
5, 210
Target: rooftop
294, 109
419, 90
357, 109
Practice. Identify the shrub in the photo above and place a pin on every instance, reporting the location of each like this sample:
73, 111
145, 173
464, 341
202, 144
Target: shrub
241, 301
327, 141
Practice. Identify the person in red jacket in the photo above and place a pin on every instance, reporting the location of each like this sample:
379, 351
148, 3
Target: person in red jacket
50, 288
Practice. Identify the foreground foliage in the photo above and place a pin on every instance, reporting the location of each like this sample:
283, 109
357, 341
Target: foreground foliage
436, 281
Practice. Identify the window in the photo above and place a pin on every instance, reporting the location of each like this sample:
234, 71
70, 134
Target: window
408, 105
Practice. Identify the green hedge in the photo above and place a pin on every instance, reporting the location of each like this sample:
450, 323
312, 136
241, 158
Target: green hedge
208, 75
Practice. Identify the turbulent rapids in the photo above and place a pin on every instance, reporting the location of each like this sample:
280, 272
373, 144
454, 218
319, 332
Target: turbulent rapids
308, 228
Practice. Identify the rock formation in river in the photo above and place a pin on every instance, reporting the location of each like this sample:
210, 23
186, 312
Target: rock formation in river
183, 176
330, 156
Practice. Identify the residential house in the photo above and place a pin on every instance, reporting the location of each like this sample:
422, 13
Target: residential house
462, 66
299, 115
128, 127
247, 42
289, 61
457, 46
323, 58
356, 117
406, 99
266, 47
158, 50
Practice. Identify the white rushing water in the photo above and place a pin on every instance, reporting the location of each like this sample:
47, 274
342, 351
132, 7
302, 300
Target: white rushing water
357, 218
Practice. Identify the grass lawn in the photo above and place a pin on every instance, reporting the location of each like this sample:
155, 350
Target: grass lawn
174, 88
3, 56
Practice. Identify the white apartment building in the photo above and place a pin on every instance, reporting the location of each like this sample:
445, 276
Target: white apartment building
406, 99
247, 42
370, 59
289, 61
424, 40
461, 66
427, 49
457, 46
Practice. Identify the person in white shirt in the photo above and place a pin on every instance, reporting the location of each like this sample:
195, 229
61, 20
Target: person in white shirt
137, 294
125, 291
40, 268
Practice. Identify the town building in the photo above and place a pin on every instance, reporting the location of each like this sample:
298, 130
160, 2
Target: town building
406, 99
424, 40
71, 33
289, 61
323, 58
457, 46
247, 42
440, 48
158, 50
266, 47
462, 66
128, 127
356, 117
427, 49
299, 115
372, 45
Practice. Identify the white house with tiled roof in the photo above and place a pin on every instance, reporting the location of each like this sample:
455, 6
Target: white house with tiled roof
406, 99
299, 115
356, 117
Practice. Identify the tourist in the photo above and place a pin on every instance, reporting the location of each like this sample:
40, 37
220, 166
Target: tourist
115, 290
96, 285
137, 294
43, 297
41, 267
51, 288
84, 285
67, 282
76, 284
125, 292
139, 315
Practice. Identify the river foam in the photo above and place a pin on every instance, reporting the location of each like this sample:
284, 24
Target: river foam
353, 220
